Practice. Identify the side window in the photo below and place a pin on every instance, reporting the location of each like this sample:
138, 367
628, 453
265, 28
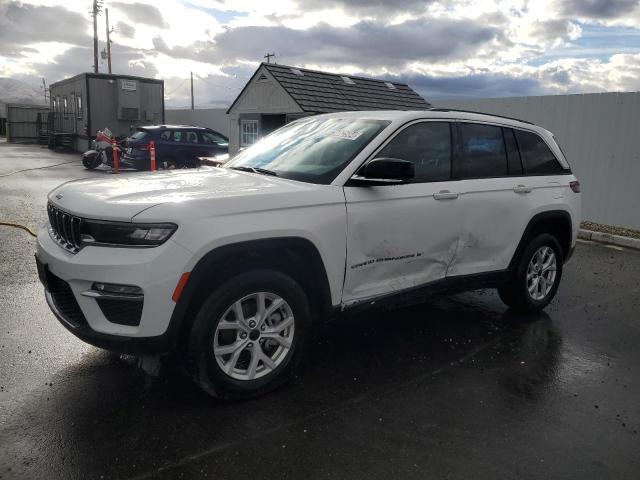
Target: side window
482, 151
537, 157
79, 106
177, 136
166, 135
428, 146
209, 138
248, 132
191, 137
513, 155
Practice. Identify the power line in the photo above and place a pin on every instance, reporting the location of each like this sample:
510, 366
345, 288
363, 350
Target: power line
191, 90
217, 85
177, 88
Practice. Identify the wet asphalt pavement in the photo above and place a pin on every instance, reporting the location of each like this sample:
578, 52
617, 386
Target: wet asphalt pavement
457, 388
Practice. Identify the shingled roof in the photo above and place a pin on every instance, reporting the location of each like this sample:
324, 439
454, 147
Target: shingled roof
322, 92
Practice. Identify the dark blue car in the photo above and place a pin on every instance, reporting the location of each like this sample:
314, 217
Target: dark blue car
177, 146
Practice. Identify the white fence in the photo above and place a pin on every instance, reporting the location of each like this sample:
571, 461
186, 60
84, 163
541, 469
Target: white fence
600, 135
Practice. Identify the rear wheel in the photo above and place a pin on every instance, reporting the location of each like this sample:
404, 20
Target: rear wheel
537, 276
249, 335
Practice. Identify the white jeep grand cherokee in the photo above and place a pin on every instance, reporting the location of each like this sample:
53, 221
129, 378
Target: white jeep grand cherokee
232, 266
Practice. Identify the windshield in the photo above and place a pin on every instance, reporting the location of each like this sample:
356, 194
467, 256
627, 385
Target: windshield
312, 150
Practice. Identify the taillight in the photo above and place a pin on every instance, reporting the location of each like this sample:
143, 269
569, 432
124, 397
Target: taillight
575, 186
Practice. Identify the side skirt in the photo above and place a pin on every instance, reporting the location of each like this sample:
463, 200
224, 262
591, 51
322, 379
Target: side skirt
436, 289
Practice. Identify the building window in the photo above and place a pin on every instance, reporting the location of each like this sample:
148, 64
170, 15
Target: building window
248, 132
65, 106
79, 106
129, 113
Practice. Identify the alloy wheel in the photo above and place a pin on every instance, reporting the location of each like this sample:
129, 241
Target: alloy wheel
541, 273
254, 336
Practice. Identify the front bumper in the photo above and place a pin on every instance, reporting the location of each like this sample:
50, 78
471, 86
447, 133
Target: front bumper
137, 160
115, 343
155, 270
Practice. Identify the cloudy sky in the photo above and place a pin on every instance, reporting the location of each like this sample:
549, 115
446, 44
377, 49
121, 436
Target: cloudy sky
448, 48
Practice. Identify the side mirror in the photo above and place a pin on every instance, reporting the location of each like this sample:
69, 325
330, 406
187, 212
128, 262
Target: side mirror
385, 171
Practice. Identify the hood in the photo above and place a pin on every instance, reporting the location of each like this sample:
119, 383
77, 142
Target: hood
121, 197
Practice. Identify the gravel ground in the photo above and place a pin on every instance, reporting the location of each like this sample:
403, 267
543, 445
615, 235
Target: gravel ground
599, 227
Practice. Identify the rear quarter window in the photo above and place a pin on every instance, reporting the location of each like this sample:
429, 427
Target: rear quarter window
139, 135
537, 157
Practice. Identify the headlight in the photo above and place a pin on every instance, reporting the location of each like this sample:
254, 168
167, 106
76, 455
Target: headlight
95, 232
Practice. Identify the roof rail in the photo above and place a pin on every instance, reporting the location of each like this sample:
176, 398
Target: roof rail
479, 113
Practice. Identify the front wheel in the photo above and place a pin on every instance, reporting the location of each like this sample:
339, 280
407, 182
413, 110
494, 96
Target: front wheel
537, 276
91, 160
249, 335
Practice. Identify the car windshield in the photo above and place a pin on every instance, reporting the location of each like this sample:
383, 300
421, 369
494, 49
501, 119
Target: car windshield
312, 150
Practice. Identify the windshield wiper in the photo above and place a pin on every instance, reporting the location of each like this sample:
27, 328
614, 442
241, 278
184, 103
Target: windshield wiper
263, 171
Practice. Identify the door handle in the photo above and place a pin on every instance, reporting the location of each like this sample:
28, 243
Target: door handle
522, 189
445, 195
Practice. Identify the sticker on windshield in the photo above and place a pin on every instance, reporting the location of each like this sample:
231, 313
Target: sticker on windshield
345, 134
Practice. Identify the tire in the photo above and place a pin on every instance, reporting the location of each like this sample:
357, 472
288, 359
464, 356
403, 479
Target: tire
91, 162
191, 162
516, 294
205, 360
168, 163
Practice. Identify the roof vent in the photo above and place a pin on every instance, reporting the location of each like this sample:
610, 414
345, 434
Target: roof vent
348, 80
297, 72
262, 78
390, 85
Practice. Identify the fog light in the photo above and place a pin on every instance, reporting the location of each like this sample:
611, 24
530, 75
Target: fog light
114, 288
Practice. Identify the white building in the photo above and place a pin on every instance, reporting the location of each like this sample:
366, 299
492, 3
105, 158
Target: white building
278, 94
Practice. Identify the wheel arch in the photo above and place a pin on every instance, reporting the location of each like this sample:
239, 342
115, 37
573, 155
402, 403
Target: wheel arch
555, 222
294, 256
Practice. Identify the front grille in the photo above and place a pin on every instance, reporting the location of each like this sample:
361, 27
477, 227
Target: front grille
122, 312
65, 228
64, 300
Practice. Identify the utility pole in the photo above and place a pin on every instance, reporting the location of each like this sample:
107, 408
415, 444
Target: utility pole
269, 55
191, 90
45, 91
97, 5
106, 13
